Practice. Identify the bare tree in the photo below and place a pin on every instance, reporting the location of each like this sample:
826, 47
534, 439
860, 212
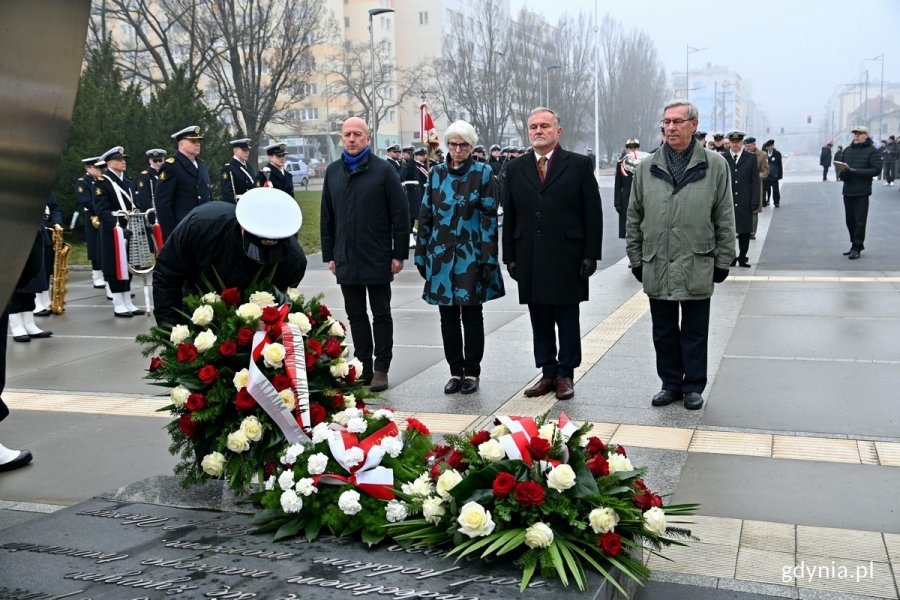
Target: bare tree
471, 79
527, 56
570, 83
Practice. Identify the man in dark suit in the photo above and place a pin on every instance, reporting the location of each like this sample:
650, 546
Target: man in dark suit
744, 171
393, 157
84, 194
183, 181
552, 235
273, 174
776, 172
148, 180
237, 176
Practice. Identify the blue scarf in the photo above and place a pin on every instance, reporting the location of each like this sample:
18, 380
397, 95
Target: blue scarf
354, 162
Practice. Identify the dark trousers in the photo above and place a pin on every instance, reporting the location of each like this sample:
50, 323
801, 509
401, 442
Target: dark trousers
681, 350
118, 285
771, 189
4, 323
825, 172
464, 358
20, 302
856, 212
743, 246
546, 320
382, 325
889, 171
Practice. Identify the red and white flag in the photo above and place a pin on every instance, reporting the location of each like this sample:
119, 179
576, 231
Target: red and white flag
427, 132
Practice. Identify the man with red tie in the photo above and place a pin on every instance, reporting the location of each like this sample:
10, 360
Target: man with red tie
552, 236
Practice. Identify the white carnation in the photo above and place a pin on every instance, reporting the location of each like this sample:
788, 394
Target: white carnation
392, 445
320, 433
340, 417
433, 509
355, 363
291, 502
383, 413
316, 463
354, 456
421, 486
262, 299
179, 334
203, 315
269, 485
306, 487
353, 413
301, 321
349, 401
179, 395
241, 379
396, 511
249, 312
356, 425
205, 340
286, 479
291, 454
349, 502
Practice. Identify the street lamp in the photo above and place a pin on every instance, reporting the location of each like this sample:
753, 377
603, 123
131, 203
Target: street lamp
372, 13
881, 94
547, 104
687, 70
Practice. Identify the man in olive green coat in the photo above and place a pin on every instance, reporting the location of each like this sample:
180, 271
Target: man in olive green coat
680, 240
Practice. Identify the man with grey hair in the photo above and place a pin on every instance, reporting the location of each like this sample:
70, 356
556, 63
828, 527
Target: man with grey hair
552, 238
680, 241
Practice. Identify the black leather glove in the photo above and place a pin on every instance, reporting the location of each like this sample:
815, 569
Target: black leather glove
511, 268
127, 232
421, 269
638, 273
719, 275
588, 267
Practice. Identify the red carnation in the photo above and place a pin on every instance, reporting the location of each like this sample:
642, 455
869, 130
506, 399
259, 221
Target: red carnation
480, 437
435, 471
155, 364
187, 425
595, 446
243, 401
231, 296
539, 447
437, 451
529, 493
324, 313
208, 374
314, 347
337, 401
455, 460
195, 402
351, 375
416, 424
281, 382
333, 347
270, 315
228, 348
187, 353
503, 484
621, 450
611, 543
316, 413
360, 404
598, 466
310, 361
244, 336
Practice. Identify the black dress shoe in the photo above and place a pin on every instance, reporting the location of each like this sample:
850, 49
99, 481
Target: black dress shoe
693, 400
745, 263
469, 386
854, 254
125, 315
43, 313
734, 262
22, 338
21, 460
138, 312
666, 397
453, 385
365, 378
43, 334
847, 253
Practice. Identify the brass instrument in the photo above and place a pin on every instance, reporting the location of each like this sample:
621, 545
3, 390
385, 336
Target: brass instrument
60, 279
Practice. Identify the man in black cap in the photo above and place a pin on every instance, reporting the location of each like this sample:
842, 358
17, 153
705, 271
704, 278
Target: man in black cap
393, 157
744, 172
84, 194
238, 244
414, 176
183, 181
237, 176
273, 174
763, 164
701, 137
406, 154
148, 180
776, 171
495, 160
478, 153
114, 193
719, 144
860, 162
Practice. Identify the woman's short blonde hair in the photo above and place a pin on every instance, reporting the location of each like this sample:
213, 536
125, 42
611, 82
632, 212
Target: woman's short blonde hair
463, 130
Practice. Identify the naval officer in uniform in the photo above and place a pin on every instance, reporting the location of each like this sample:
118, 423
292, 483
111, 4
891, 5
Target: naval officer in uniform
183, 181
237, 176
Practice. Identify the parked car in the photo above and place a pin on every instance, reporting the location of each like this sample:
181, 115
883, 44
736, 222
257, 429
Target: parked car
299, 171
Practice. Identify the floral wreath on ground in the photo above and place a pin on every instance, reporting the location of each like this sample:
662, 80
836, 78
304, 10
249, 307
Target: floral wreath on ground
558, 500
251, 371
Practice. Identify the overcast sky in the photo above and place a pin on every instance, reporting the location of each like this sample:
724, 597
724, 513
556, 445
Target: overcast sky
792, 52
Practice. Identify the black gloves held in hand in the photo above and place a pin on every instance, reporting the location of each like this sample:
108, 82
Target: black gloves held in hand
588, 267
511, 268
719, 275
638, 273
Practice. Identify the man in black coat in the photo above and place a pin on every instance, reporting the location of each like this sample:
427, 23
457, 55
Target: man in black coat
861, 161
237, 176
235, 243
622, 181
552, 237
273, 174
84, 194
365, 239
825, 160
183, 181
776, 172
148, 180
744, 171
413, 177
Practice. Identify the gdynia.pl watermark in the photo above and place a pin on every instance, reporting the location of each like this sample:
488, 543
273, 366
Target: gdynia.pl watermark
807, 572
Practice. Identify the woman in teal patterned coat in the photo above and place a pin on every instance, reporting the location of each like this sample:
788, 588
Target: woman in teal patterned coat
457, 253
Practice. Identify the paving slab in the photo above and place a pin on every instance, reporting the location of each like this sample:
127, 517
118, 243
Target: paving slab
826, 300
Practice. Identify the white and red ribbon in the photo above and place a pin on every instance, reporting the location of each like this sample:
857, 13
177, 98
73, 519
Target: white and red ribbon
370, 477
121, 253
522, 429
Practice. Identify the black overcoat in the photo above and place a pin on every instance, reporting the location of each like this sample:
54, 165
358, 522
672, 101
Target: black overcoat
549, 227
744, 189
278, 179
182, 187
106, 202
621, 193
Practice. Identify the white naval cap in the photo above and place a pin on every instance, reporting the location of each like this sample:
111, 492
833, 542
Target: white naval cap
191, 132
92, 161
113, 153
241, 143
157, 153
269, 214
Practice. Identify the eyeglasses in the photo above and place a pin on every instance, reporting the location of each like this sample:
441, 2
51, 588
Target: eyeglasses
156, 160
458, 145
676, 122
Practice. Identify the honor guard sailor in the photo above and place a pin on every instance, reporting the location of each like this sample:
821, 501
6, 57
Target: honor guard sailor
115, 192
84, 194
148, 180
183, 181
237, 176
273, 174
